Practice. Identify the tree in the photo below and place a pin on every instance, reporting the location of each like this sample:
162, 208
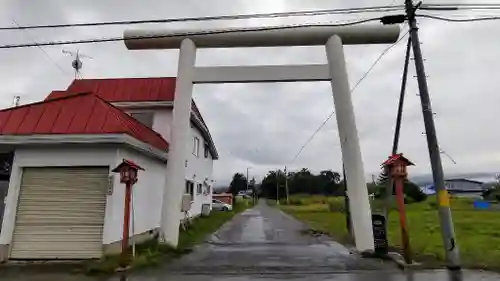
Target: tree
273, 181
382, 184
329, 183
493, 192
238, 183
413, 191
303, 181
383, 177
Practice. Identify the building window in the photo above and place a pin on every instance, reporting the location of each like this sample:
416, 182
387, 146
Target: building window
206, 150
190, 189
145, 118
196, 146
199, 188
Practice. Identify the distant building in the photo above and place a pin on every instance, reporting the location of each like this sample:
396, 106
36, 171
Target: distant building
459, 187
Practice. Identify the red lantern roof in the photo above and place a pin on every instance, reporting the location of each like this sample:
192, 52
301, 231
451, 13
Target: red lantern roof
128, 163
397, 157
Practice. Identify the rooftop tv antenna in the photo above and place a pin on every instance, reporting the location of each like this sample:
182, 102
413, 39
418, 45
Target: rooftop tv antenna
17, 100
77, 63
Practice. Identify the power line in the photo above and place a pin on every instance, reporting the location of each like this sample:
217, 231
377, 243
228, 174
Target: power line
116, 39
459, 6
43, 51
459, 20
224, 17
352, 90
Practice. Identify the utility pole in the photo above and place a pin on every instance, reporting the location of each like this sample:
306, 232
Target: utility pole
445, 218
286, 187
247, 179
390, 184
277, 189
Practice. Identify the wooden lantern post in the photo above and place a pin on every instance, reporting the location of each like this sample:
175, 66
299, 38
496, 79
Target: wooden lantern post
397, 165
128, 175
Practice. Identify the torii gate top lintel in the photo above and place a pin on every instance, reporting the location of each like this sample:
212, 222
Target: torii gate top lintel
293, 36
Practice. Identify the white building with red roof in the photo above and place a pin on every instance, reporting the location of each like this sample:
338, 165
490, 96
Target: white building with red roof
63, 202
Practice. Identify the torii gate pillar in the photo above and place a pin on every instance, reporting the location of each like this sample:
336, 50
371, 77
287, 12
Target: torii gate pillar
335, 71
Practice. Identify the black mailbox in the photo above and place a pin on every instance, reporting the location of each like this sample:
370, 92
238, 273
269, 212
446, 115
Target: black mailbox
379, 234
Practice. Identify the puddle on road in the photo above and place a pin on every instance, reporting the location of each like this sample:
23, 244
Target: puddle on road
253, 230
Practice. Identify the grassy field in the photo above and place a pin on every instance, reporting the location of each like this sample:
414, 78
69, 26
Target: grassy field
477, 231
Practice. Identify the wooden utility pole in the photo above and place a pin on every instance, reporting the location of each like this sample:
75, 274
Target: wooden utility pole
286, 187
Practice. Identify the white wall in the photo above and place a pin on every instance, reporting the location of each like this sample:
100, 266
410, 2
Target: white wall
162, 120
147, 192
198, 169
47, 157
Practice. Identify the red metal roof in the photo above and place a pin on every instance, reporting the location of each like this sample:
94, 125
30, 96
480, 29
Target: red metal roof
134, 90
396, 157
125, 89
83, 113
129, 163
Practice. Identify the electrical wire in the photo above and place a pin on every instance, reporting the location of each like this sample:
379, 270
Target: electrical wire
459, 6
225, 17
225, 31
352, 90
448, 156
459, 20
43, 51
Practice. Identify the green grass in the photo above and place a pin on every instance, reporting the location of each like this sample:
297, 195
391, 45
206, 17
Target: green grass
152, 253
477, 231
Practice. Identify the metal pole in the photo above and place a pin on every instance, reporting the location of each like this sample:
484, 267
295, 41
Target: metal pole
346, 204
286, 187
445, 218
247, 179
390, 185
277, 189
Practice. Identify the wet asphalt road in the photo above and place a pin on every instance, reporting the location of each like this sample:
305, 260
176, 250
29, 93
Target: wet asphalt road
263, 239
264, 244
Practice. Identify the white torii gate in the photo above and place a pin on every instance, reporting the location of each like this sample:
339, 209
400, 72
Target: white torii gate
335, 71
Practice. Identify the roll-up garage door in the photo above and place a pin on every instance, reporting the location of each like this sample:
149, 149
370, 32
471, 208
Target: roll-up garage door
60, 213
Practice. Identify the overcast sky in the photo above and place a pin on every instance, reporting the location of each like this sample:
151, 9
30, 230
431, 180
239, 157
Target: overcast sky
262, 126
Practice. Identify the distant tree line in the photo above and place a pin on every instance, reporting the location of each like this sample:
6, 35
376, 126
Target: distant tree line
327, 182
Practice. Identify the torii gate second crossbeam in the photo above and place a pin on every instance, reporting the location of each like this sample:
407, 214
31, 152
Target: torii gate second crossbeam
335, 71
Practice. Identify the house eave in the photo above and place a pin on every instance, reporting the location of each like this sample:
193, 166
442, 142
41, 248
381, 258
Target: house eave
142, 104
120, 139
